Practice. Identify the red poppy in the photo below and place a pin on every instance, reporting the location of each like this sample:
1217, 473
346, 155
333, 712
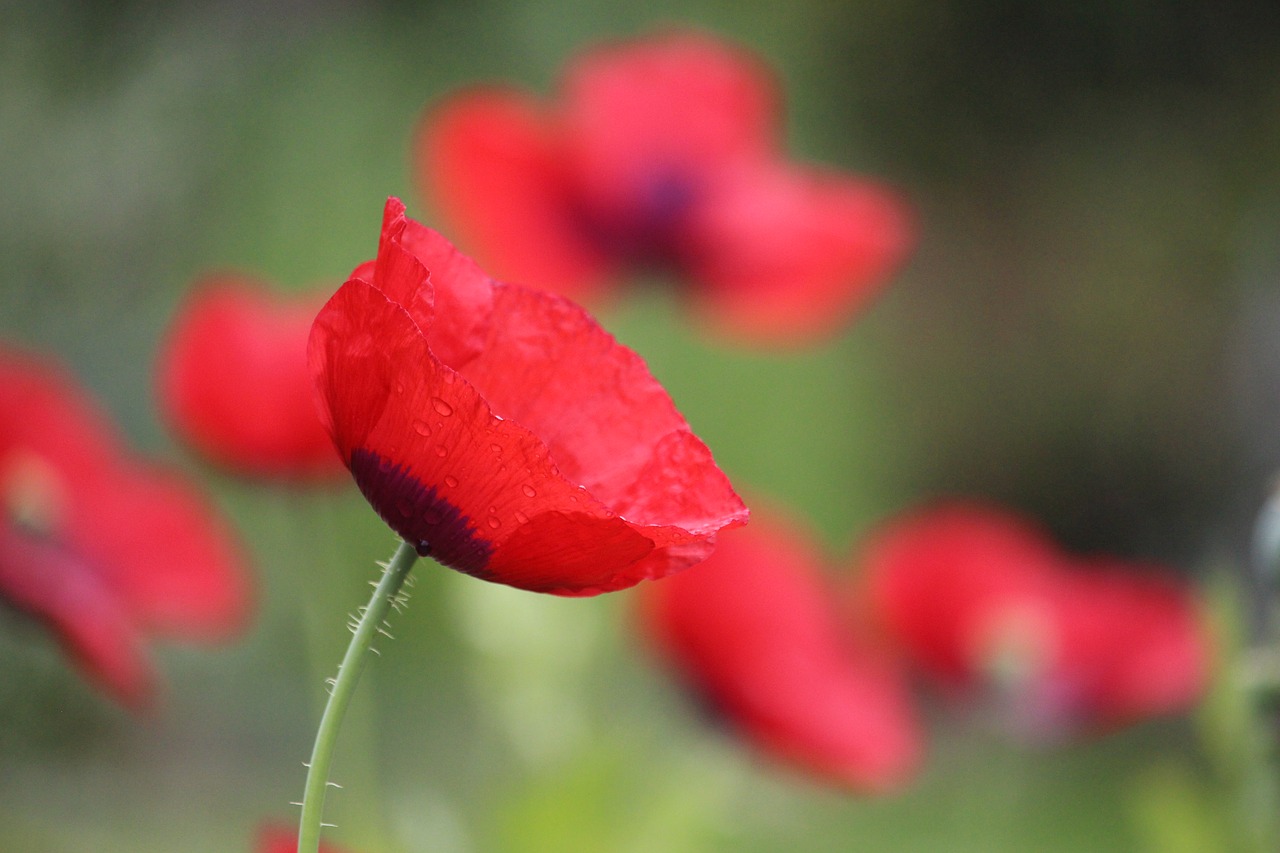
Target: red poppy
233, 381
755, 630
662, 151
977, 596
275, 839
500, 429
104, 548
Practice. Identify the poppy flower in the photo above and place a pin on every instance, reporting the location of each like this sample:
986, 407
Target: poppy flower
275, 839
979, 597
102, 547
755, 630
233, 382
503, 431
662, 151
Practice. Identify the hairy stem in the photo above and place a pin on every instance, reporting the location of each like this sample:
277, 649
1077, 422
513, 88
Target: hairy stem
371, 619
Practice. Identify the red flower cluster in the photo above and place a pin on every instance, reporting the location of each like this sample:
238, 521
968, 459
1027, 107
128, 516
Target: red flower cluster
233, 381
756, 631
501, 430
975, 596
102, 547
663, 151
968, 595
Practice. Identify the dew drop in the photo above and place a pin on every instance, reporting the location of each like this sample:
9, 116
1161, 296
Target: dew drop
399, 387
441, 451
451, 481
405, 507
521, 518
443, 408
431, 515
529, 491
496, 448
494, 523
493, 510
421, 428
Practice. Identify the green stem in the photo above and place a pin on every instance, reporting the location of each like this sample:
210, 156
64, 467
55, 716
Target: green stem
343, 688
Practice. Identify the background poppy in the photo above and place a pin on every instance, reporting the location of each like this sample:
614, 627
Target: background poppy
980, 598
104, 548
755, 632
663, 151
233, 383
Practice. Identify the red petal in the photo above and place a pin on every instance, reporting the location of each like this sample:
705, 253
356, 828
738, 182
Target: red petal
947, 582
682, 105
755, 629
491, 162
65, 592
43, 415
785, 255
164, 552
523, 467
1132, 644
467, 302
609, 425
233, 381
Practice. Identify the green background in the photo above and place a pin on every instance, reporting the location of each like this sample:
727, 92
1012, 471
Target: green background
1089, 330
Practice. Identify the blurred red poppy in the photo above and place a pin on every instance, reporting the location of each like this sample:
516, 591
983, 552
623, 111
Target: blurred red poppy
500, 429
275, 839
102, 547
976, 596
233, 381
755, 630
662, 151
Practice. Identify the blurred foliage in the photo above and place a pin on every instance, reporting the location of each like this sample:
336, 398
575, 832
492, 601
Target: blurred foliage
1087, 331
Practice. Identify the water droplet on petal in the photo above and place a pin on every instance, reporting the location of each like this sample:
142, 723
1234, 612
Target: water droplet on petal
431, 515
521, 518
441, 406
441, 451
451, 481
529, 491
421, 428
496, 448
405, 507
494, 522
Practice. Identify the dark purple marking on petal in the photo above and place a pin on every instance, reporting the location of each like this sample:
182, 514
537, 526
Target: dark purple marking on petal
650, 229
666, 199
427, 521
